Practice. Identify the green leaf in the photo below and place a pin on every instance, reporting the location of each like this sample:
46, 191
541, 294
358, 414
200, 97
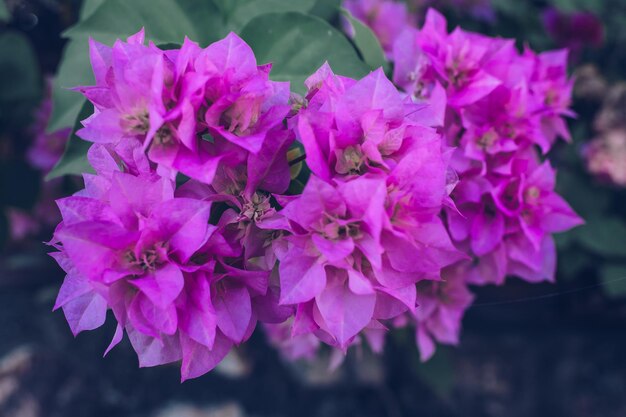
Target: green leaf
88, 8
578, 5
297, 45
573, 262
74, 70
605, 236
165, 22
240, 12
614, 279
19, 74
5, 16
438, 372
74, 159
587, 200
20, 80
514, 8
367, 43
326, 9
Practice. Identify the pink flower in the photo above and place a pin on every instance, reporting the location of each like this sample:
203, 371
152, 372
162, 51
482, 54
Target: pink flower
352, 128
505, 223
574, 31
530, 202
132, 249
455, 60
192, 109
47, 148
605, 157
366, 227
501, 105
292, 347
553, 89
442, 306
191, 233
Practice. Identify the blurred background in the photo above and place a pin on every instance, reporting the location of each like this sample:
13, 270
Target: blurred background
526, 350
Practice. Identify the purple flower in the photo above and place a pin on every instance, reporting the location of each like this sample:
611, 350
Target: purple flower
192, 109
47, 148
441, 308
366, 228
573, 31
605, 157
131, 250
352, 128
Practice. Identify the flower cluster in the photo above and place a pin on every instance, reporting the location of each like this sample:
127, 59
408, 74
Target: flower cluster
187, 232
197, 225
503, 111
366, 228
189, 146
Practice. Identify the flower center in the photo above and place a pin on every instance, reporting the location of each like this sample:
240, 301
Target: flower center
486, 141
148, 259
256, 208
531, 195
350, 161
335, 231
163, 136
241, 116
136, 124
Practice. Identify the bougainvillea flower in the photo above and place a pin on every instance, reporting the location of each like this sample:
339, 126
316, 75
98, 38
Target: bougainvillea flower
530, 200
362, 127
442, 305
573, 31
192, 110
195, 225
605, 157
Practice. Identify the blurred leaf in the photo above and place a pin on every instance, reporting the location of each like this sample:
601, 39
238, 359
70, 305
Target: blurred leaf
514, 8
437, 372
74, 159
578, 5
367, 43
297, 45
563, 240
240, 12
168, 46
20, 85
572, 263
614, 279
588, 201
20, 80
88, 7
5, 16
165, 21
326, 9
604, 236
